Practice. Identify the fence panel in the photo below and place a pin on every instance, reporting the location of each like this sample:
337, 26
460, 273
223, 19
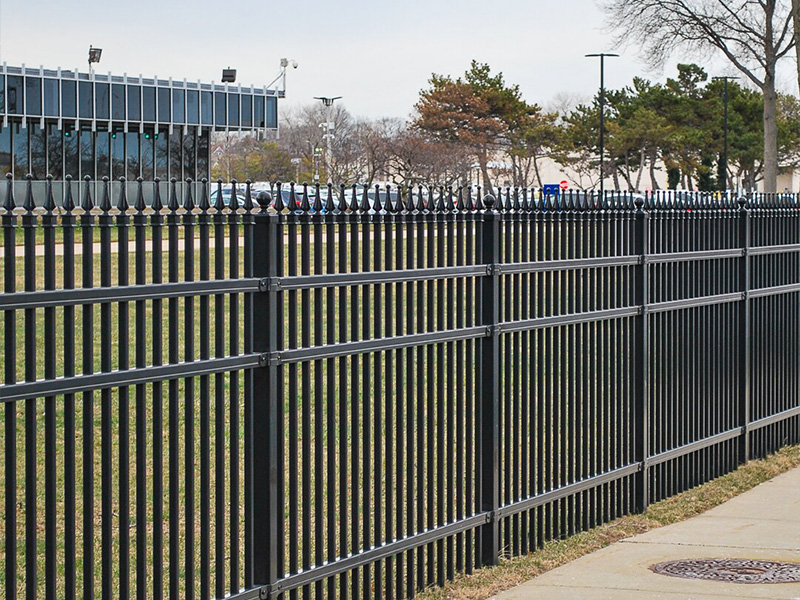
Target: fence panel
356, 393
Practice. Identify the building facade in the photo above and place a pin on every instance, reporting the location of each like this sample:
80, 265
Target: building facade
69, 123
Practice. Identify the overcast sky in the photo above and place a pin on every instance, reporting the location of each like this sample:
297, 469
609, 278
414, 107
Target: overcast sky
376, 54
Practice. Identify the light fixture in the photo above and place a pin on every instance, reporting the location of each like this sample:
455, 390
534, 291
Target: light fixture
94, 55
228, 75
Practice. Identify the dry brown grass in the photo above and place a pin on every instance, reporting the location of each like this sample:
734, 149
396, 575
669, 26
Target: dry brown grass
509, 573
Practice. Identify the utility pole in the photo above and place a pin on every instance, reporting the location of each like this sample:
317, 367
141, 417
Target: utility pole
328, 103
724, 161
602, 56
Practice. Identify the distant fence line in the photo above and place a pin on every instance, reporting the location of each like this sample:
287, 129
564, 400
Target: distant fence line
356, 392
519, 198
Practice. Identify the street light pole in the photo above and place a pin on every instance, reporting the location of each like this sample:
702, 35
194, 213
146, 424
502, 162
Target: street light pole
724, 160
602, 56
328, 103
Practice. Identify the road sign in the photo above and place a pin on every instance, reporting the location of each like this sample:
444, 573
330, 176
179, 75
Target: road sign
564, 184
551, 189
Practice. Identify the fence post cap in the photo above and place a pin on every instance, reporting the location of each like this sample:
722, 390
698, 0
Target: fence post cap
742, 202
488, 201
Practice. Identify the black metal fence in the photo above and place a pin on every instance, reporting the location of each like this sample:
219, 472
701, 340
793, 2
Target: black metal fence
360, 394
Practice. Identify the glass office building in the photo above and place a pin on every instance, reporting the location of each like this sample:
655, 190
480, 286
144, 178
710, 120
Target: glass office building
68, 123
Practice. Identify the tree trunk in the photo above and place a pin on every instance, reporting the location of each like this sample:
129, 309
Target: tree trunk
536, 171
628, 170
653, 182
487, 182
770, 133
796, 20
641, 169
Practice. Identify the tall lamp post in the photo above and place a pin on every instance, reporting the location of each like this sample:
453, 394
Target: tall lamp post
724, 161
328, 104
602, 56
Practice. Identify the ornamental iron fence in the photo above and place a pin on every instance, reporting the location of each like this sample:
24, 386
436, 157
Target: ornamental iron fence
341, 392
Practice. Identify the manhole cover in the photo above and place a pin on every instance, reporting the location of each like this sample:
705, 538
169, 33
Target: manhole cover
731, 570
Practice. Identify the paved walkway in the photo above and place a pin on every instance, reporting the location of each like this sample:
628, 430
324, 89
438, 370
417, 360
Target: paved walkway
763, 523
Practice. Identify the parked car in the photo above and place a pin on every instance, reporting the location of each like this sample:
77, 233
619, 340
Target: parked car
227, 193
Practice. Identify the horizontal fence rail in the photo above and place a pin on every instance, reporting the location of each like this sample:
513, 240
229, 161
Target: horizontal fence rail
355, 392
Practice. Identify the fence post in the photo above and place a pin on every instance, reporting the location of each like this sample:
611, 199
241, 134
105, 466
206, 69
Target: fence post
641, 430
489, 377
744, 333
265, 514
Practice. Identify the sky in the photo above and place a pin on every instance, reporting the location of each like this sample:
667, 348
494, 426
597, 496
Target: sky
377, 55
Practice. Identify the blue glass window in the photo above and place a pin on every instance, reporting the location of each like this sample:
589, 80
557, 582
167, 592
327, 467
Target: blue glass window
118, 102
117, 153
189, 156
33, 95
2, 93
202, 156
148, 146
175, 155
247, 110
20, 150
163, 105
134, 165
272, 112
177, 106
258, 112
16, 95
38, 151
103, 150
5, 150
87, 152
85, 100
71, 152
193, 107
233, 109
51, 98
68, 99
219, 109
55, 149
101, 100
162, 153
148, 104
206, 105
135, 103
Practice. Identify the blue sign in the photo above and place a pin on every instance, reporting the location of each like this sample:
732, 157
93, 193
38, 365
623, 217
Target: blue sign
551, 189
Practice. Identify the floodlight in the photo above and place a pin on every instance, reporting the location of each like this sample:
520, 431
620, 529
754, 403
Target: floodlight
94, 54
228, 75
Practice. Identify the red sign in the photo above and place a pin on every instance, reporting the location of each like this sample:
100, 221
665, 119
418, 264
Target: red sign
564, 185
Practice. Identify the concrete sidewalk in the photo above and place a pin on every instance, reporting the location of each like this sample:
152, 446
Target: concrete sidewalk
763, 523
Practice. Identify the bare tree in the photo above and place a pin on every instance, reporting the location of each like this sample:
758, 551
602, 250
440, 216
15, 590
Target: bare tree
752, 35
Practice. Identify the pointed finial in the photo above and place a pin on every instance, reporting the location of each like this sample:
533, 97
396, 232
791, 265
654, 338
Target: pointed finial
157, 203
234, 203
248, 195
139, 205
122, 200
9, 204
188, 199
69, 201
29, 204
219, 202
50, 201
204, 203
173, 204
86, 202
105, 200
